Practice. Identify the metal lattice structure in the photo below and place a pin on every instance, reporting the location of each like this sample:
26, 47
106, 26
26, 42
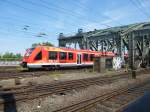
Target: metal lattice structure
133, 39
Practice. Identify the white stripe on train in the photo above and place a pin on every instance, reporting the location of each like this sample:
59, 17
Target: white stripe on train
39, 65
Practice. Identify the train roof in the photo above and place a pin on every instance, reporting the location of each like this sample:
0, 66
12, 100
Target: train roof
49, 48
63, 49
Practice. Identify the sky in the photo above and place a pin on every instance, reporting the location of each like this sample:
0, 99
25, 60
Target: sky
22, 21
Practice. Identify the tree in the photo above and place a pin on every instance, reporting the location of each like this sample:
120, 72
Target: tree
43, 43
8, 55
47, 44
11, 56
18, 56
35, 44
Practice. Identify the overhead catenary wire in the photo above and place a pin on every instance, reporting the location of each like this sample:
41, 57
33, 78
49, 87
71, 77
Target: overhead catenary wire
51, 5
82, 5
46, 15
49, 9
37, 12
21, 30
33, 10
23, 8
139, 8
139, 2
66, 12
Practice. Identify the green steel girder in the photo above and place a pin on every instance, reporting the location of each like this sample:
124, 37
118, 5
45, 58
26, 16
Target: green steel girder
134, 38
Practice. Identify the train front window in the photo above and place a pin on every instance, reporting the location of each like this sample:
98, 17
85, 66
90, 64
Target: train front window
63, 55
29, 51
38, 56
52, 55
70, 55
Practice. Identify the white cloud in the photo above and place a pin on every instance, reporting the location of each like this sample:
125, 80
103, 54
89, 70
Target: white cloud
145, 3
112, 19
91, 26
115, 15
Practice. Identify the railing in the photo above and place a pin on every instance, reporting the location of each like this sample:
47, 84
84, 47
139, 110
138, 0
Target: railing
10, 61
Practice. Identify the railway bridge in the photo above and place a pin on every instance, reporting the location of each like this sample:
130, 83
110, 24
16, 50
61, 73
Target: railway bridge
133, 39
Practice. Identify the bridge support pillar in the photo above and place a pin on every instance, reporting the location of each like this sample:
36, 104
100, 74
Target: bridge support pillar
99, 64
132, 55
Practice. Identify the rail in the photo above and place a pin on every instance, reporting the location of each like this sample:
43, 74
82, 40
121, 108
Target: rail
123, 95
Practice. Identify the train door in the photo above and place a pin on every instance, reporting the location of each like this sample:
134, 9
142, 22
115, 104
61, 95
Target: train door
79, 59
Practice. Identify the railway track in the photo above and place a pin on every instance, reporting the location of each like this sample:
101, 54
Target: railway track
11, 75
59, 87
24, 73
12, 69
14, 74
114, 101
30, 92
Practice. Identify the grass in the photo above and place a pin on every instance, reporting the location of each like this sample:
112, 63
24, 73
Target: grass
19, 68
56, 74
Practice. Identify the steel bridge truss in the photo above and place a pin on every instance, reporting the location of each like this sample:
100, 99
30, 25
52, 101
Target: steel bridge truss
131, 39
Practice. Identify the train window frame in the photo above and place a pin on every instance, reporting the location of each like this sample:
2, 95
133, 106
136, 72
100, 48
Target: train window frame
91, 57
29, 52
85, 56
52, 56
38, 56
60, 56
70, 57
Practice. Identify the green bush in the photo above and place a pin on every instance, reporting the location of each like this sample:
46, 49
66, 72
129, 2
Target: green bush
9, 56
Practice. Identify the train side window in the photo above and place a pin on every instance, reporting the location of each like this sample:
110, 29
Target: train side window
85, 57
38, 56
63, 55
52, 55
70, 56
91, 57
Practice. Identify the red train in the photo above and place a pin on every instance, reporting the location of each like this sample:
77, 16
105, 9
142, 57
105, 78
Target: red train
50, 57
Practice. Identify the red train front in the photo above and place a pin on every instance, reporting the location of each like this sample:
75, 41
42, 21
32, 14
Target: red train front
49, 57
